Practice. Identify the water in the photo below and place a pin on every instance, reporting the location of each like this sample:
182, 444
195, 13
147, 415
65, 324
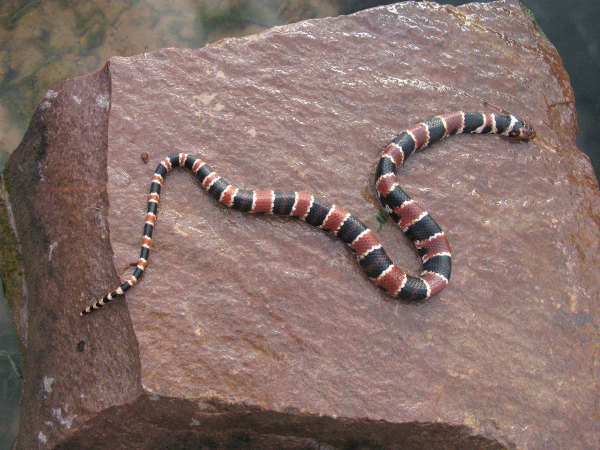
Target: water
10, 376
572, 26
36, 53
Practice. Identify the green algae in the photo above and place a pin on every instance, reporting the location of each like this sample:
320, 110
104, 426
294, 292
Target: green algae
529, 13
10, 21
10, 258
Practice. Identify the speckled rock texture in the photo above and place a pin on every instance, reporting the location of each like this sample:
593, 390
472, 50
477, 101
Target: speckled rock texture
260, 331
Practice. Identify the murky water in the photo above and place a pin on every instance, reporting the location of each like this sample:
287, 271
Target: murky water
44, 42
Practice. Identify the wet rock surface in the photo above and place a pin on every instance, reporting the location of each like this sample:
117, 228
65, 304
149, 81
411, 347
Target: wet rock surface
262, 331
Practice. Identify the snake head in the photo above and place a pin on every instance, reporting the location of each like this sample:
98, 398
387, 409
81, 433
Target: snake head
522, 130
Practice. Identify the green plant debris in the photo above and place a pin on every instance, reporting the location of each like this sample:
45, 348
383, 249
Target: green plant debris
381, 219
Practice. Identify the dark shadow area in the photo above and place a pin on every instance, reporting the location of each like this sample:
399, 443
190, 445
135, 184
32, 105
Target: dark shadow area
152, 422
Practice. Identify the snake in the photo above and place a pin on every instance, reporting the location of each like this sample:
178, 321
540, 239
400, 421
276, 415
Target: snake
429, 241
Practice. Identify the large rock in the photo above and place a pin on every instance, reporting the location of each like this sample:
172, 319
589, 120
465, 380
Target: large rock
261, 331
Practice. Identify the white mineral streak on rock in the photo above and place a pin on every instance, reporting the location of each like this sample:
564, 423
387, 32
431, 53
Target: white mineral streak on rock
103, 101
47, 382
202, 405
419, 84
65, 420
51, 249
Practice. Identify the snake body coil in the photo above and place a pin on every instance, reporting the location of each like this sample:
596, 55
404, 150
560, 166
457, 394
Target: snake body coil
429, 240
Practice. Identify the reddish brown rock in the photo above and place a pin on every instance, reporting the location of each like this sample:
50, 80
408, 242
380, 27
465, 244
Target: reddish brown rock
257, 331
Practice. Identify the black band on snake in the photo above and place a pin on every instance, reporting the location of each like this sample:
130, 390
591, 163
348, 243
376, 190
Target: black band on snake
429, 240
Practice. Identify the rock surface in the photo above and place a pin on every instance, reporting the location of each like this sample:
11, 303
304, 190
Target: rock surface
257, 331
